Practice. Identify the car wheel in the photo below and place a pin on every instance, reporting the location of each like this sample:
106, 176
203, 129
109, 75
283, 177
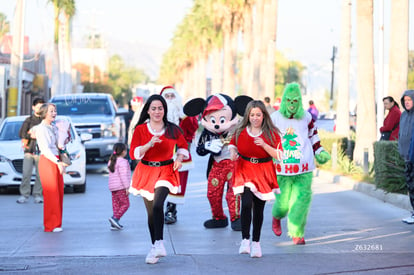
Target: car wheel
80, 188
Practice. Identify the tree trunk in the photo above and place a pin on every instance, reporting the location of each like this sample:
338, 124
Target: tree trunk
398, 55
254, 78
269, 66
248, 46
217, 77
230, 49
366, 122
342, 112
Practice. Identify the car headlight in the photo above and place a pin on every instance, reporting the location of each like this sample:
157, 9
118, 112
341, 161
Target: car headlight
4, 159
109, 130
75, 155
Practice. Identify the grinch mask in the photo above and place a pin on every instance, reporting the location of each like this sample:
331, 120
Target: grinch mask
291, 105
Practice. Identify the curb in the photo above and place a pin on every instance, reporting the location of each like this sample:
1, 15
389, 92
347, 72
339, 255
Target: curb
398, 200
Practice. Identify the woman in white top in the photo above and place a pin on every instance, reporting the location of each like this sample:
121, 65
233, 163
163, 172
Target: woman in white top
51, 169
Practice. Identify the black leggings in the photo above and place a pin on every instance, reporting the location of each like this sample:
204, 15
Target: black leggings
155, 213
251, 202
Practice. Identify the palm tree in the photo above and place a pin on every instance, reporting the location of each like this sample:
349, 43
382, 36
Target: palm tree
254, 78
269, 39
4, 27
342, 112
398, 52
64, 10
366, 122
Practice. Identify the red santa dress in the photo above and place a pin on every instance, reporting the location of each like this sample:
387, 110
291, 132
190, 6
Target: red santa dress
259, 172
147, 177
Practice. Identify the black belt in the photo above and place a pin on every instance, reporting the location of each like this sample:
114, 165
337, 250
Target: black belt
256, 160
157, 163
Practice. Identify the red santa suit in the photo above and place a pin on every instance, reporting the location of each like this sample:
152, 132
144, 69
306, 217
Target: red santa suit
189, 125
151, 172
255, 167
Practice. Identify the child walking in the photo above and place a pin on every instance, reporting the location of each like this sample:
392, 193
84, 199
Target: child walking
118, 182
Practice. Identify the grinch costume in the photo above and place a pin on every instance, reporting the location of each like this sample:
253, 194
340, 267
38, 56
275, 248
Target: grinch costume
301, 145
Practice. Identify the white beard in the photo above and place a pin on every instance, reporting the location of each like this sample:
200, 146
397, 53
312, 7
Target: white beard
175, 111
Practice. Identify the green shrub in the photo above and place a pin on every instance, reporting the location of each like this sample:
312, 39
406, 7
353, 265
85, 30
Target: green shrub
344, 146
389, 167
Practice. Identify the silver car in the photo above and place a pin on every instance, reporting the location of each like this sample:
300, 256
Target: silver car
11, 156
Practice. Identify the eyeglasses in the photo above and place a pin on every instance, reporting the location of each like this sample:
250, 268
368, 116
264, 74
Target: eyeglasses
169, 96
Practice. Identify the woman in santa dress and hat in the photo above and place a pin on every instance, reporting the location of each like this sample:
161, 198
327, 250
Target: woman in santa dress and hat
254, 145
153, 143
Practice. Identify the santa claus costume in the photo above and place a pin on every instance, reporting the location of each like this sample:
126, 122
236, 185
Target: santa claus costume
154, 142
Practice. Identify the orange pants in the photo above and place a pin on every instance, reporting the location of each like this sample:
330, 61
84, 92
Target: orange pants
53, 187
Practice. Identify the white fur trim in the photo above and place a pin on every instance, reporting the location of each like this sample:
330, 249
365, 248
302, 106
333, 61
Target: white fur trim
150, 196
137, 154
183, 152
264, 197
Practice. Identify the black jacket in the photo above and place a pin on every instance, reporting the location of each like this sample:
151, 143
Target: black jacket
23, 133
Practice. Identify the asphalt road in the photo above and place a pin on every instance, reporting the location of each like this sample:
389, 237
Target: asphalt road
347, 233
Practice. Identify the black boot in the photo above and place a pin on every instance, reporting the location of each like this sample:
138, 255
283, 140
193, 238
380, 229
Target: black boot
213, 223
170, 213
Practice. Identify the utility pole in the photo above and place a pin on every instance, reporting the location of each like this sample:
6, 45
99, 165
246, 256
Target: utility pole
380, 91
332, 79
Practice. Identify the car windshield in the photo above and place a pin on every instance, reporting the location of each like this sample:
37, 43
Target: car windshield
10, 130
89, 106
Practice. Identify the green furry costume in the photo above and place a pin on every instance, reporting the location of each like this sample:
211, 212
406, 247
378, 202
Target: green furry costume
301, 145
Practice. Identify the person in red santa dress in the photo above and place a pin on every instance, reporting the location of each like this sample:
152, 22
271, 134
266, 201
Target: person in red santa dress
154, 142
189, 125
253, 146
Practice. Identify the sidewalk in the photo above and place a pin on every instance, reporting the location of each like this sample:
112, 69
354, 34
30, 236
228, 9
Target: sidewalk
369, 189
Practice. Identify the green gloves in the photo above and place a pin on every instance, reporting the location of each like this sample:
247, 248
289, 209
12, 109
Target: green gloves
322, 157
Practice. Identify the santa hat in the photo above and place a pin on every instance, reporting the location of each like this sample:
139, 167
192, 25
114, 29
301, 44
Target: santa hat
216, 102
137, 101
168, 90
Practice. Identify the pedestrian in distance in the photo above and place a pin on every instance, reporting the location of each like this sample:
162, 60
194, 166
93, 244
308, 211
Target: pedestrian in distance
189, 125
51, 169
31, 157
313, 110
391, 127
119, 180
154, 142
406, 146
255, 143
269, 107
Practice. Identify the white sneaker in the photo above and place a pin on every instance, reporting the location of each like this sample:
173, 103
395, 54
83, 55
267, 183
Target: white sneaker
57, 229
159, 249
409, 220
151, 259
256, 250
244, 247
22, 199
38, 199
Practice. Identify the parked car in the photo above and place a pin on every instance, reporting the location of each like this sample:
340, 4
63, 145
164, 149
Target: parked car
11, 156
97, 114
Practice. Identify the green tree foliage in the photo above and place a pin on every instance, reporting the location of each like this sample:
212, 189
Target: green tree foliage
4, 26
122, 78
410, 84
286, 71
